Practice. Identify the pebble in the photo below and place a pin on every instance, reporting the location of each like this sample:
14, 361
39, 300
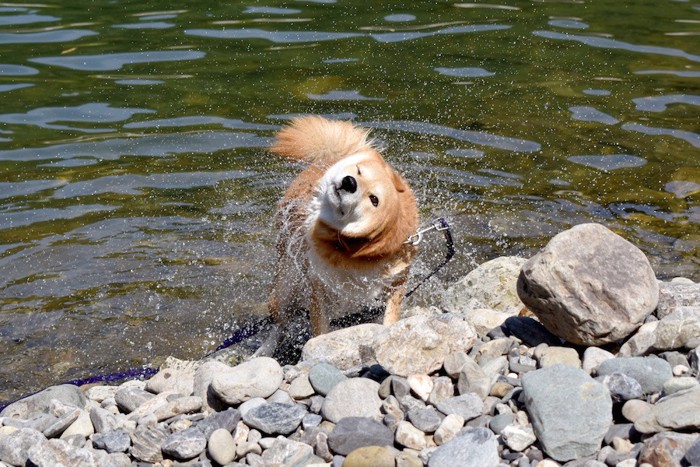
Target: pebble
440, 399
323, 377
275, 418
221, 446
354, 397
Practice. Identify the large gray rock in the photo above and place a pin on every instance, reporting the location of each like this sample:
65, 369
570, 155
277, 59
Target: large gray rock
355, 432
355, 397
39, 403
419, 344
569, 411
342, 348
650, 372
185, 444
259, 377
589, 286
476, 447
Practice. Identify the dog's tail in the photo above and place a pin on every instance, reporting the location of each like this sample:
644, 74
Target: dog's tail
313, 139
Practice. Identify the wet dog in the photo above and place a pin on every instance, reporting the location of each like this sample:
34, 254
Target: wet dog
343, 226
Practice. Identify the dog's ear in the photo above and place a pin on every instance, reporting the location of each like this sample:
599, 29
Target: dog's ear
399, 182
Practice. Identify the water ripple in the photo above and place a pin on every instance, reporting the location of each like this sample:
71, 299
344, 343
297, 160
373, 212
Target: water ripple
30, 18
688, 136
148, 145
9, 220
132, 184
609, 162
605, 43
17, 70
466, 72
660, 103
477, 137
591, 114
179, 122
342, 96
46, 117
112, 62
61, 35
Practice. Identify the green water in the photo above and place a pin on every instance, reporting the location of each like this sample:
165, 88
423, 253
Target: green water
136, 193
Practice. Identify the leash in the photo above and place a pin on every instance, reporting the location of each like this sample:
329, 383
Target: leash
249, 330
439, 225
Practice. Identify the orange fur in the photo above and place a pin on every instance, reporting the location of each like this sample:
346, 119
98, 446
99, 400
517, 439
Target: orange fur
338, 235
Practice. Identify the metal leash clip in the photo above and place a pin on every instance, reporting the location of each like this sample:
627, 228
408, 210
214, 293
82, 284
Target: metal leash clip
438, 224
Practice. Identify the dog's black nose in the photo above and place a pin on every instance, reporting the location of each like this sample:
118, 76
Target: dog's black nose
349, 184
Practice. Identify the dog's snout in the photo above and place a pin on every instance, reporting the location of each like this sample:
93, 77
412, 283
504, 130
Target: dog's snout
349, 184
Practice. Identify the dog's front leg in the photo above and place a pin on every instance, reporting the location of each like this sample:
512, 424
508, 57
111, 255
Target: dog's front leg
319, 319
392, 313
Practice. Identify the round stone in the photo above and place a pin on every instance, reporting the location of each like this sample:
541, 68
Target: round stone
221, 447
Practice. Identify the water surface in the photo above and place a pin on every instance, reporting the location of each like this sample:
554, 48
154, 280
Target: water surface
136, 194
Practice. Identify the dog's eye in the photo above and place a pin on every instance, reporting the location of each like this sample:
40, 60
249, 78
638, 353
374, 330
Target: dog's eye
374, 200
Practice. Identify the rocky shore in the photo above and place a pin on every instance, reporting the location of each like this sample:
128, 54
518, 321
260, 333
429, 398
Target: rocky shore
577, 357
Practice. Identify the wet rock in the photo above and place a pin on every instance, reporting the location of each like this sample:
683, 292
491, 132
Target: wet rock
221, 447
569, 411
342, 348
39, 403
275, 418
14, 448
650, 372
491, 285
323, 377
113, 441
476, 447
467, 406
356, 397
418, 345
259, 377
184, 445
352, 433
589, 286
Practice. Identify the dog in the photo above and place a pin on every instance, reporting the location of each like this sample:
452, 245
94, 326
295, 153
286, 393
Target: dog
343, 226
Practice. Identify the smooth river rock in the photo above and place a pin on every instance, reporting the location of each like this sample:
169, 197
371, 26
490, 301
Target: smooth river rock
570, 412
259, 377
589, 286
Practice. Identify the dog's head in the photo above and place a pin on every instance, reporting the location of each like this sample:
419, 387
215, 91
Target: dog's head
363, 199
